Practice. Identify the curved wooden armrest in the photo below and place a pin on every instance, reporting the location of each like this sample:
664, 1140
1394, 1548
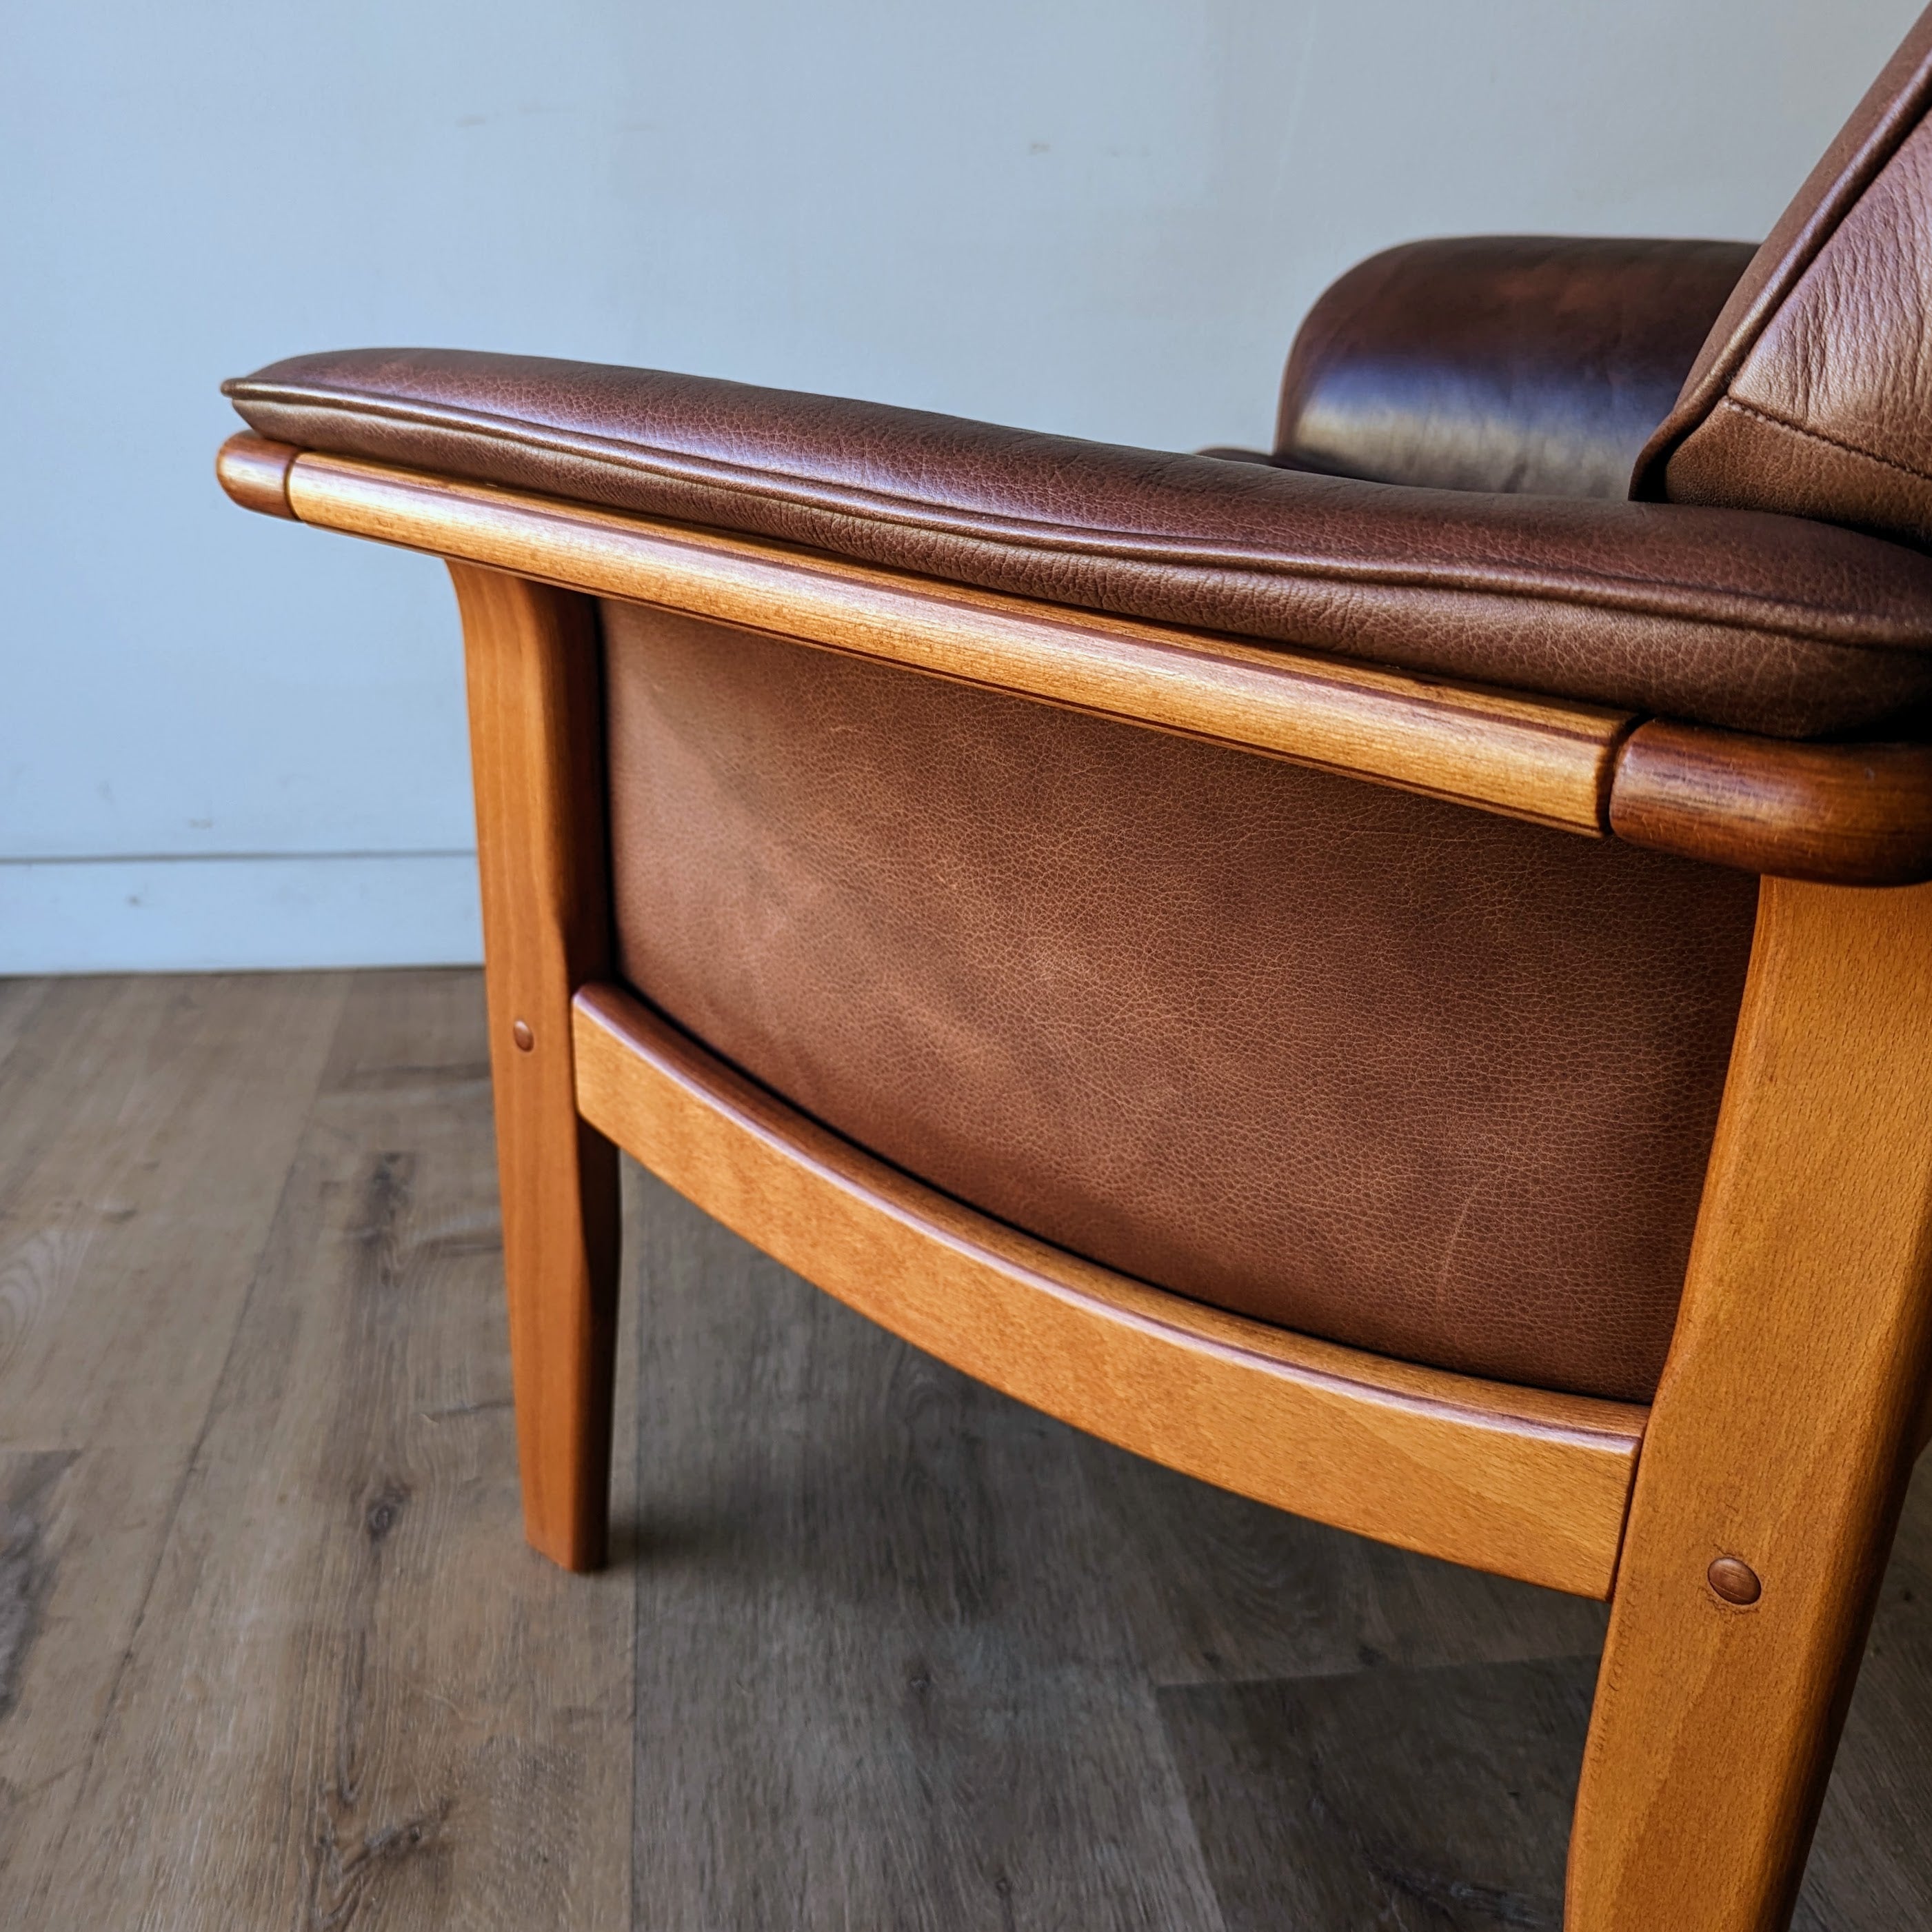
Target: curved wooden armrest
1847, 814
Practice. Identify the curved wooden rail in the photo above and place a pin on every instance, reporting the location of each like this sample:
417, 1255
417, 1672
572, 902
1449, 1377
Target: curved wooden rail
1515, 1480
1846, 814
1857, 815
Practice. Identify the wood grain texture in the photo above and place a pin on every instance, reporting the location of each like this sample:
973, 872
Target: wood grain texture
536, 750
1870, 1867
1857, 815
146, 1126
1782, 1434
27, 1483
1450, 1789
348, 1696
1544, 759
255, 473
123, 1093
883, 1680
1514, 1480
892, 1626
905, 1651
1222, 1589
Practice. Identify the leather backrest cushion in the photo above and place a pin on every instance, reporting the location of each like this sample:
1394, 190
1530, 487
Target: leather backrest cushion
1365, 1064
1814, 394
1530, 364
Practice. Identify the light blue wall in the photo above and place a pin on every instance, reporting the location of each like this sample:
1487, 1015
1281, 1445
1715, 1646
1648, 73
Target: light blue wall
225, 741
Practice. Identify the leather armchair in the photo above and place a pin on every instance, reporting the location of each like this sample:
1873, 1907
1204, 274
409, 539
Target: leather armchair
1392, 973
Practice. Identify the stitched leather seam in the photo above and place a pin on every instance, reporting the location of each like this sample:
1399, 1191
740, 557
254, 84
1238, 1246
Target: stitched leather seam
1602, 590
711, 472
1894, 126
1819, 436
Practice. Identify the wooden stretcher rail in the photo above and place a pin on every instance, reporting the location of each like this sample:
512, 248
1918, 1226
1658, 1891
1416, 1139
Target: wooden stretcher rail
1846, 813
1514, 1480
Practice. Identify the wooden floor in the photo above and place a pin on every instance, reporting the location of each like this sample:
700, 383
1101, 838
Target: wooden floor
880, 1650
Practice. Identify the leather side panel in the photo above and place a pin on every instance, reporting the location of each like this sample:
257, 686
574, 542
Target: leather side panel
1375, 1067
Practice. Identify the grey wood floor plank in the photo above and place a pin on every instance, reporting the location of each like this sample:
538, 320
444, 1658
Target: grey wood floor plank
145, 1127
79, 1533
65, 1041
883, 1681
879, 1649
1434, 1800
1440, 1797
1221, 1589
21, 1000
145, 1131
353, 1696
27, 1484
1871, 1865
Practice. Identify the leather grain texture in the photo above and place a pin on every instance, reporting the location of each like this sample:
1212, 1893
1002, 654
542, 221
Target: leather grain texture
1813, 395
1727, 617
1522, 363
1365, 1064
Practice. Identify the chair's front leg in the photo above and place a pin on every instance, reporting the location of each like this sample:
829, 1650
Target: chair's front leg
1772, 1470
536, 741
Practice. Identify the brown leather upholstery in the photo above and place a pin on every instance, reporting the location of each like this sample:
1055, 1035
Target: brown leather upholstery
1814, 394
1527, 363
1376, 1067
1371, 1065
1766, 624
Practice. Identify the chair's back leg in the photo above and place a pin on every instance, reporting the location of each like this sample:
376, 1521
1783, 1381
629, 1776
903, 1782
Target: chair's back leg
1781, 1438
536, 742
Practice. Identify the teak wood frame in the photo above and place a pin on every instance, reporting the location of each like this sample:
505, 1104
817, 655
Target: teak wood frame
1799, 1382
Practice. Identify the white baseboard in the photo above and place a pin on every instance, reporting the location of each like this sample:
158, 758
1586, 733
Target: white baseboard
238, 913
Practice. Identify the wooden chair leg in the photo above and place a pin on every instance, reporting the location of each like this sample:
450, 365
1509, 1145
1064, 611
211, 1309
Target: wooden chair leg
535, 729
1776, 1458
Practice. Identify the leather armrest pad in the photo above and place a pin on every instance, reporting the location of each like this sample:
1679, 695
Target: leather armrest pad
1738, 618
1518, 362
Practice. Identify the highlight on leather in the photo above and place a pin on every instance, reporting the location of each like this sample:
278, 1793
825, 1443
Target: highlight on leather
1525, 363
